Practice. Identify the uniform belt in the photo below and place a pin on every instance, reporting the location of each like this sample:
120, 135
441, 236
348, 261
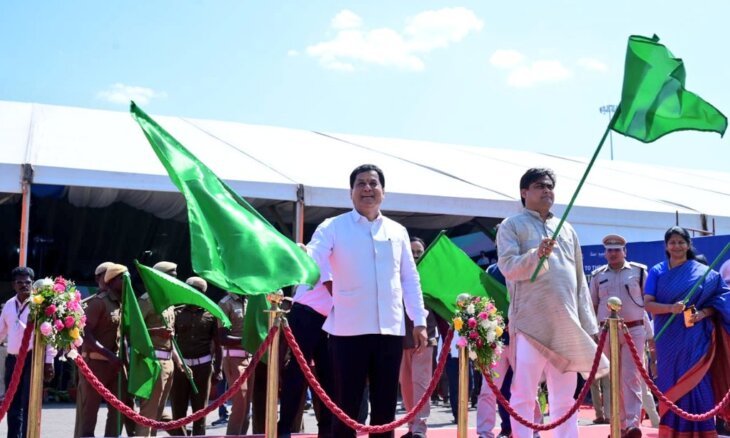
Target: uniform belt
198, 360
163, 355
95, 356
636, 323
235, 352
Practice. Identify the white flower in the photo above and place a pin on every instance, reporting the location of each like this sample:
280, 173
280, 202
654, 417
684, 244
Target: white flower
72, 354
472, 354
491, 335
484, 323
470, 309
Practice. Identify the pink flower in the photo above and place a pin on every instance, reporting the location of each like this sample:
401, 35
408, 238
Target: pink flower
50, 310
77, 296
82, 321
472, 322
477, 299
490, 306
483, 315
461, 342
480, 343
473, 335
69, 321
74, 306
58, 324
60, 280
59, 288
46, 328
77, 342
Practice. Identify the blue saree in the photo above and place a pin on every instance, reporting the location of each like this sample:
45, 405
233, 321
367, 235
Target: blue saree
688, 358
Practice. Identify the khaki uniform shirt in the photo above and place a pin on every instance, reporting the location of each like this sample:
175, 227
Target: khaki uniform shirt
235, 309
196, 330
626, 283
103, 309
153, 320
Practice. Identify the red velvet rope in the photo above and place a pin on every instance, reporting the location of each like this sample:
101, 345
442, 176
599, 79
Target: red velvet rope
17, 371
672, 407
535, 426
380, 428
167, 425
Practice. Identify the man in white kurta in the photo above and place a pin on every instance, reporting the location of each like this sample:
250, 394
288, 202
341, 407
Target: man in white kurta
551, 319
373, 275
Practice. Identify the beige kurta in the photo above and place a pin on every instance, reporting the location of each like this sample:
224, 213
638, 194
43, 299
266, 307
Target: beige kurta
555, 312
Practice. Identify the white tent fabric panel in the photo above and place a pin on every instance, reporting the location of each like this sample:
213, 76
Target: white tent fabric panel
15, 125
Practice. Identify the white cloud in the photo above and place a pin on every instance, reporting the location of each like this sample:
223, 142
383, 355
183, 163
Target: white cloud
122, 94
592, 64
346, 19
292, 53
506, 58
537, 72
429, 30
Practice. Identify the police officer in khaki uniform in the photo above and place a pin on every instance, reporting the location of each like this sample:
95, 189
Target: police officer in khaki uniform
99, 350
625, 280
235, 362
160, 328
197, 335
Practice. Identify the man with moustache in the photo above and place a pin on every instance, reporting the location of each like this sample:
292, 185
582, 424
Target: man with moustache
551, 319
13, 320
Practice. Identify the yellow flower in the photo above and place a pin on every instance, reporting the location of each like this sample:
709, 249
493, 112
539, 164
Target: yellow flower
74, 333
493, 310
498, 331
37, 299
458, 323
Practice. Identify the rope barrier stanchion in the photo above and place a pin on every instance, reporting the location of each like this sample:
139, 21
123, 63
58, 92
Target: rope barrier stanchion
670, 404
339, 413
35, 398
614, 306
272, 379
17, 371
462, 422
542, 427
169, 425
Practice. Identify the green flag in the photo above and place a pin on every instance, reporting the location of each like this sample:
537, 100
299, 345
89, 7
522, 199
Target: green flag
144, 369
654, 101
166, 291
255, 323
232, 245
446, 271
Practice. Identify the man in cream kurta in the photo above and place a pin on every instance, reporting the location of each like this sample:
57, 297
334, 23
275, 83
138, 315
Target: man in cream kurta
373, 276
551, 319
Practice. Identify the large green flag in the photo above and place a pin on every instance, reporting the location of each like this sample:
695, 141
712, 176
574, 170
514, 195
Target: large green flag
446, 271
232, 245
144, 369
654, 101
166, 291
256, 323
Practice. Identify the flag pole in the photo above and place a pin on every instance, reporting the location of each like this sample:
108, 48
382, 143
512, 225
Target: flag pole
694, 289
580, 186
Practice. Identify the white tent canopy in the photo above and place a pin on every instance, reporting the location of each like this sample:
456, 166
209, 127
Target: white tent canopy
103, 157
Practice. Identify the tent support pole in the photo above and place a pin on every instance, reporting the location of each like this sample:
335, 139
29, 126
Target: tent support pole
25, 214
299, 216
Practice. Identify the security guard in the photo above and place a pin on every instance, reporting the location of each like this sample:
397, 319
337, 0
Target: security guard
197, 336
235, 362
99, 350
160, 328
625, 280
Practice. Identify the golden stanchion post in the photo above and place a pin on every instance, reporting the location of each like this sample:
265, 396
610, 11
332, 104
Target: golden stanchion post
462, 413
614, 305
35, 398
272, 379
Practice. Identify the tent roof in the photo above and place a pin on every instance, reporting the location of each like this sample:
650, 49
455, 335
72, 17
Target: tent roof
103, 149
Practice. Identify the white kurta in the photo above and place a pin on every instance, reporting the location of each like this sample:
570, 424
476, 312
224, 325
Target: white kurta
555, 312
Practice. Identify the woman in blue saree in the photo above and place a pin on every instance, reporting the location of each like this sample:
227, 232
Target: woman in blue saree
693, 358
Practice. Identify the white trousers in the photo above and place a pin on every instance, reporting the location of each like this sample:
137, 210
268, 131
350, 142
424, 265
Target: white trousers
529, 367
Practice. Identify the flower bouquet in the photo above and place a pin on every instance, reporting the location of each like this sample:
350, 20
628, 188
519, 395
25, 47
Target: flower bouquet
56, 308
480, 327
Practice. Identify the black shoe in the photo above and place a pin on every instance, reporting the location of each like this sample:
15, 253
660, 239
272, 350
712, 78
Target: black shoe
632, 432
219, 422
407, 435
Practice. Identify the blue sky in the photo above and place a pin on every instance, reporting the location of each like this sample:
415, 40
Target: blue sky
527, 75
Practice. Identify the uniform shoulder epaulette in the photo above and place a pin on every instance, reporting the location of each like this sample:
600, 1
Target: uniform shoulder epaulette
225, 299
101, 294
599, 270
639, 265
